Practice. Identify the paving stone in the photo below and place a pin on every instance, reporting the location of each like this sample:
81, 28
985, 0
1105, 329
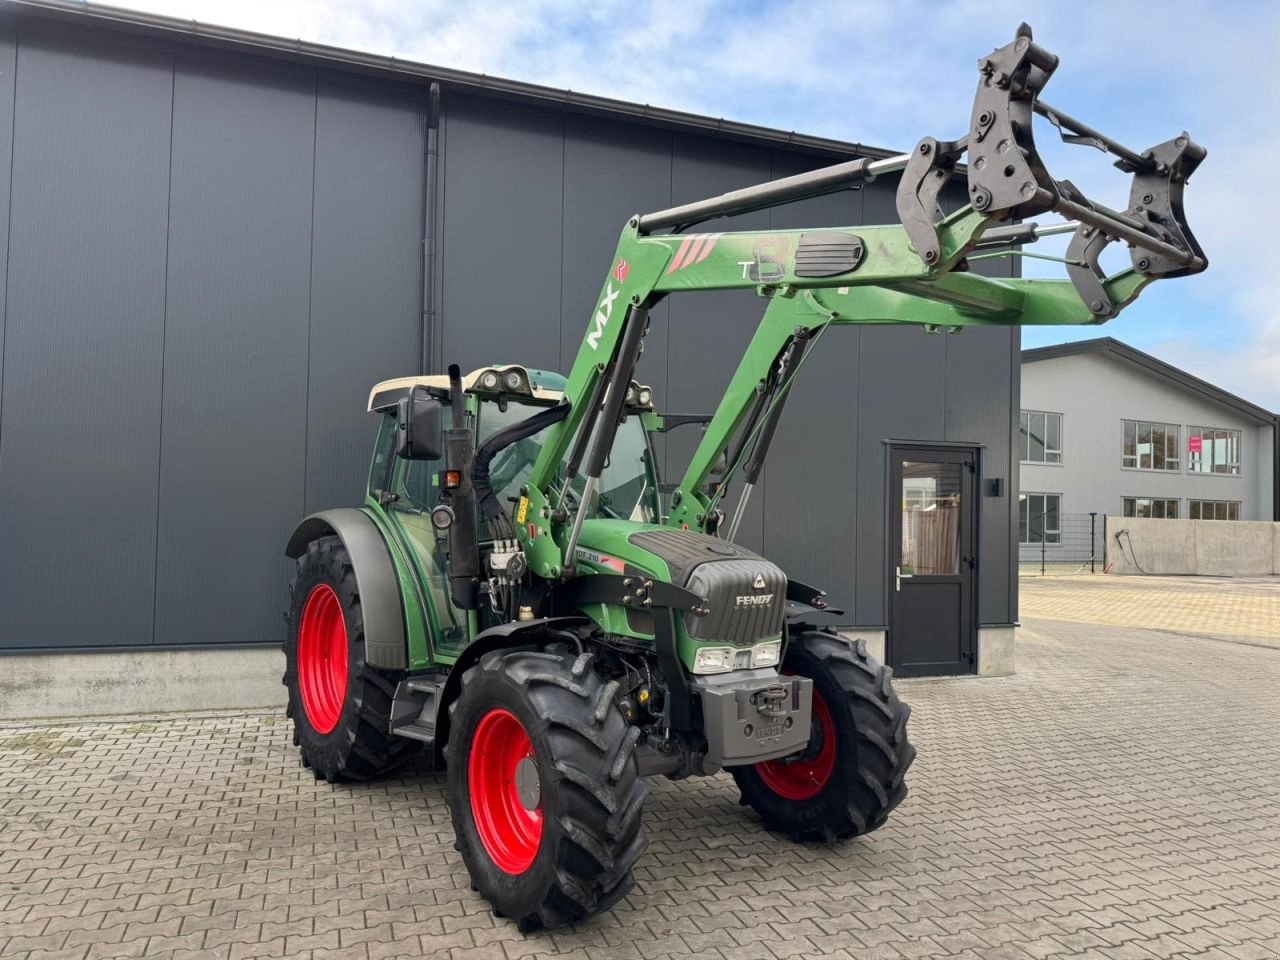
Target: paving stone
1114, 799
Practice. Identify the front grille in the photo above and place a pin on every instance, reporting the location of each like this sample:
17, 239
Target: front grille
746, 598
722, 572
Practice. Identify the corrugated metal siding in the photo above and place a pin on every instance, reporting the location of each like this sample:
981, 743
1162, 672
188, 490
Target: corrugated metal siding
293, 252
235, 398
501, 248
611, 171
8, 55
366, 293
978, 392
79, 447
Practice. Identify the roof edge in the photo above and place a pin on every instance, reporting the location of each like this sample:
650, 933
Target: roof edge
354, 61
1154, 365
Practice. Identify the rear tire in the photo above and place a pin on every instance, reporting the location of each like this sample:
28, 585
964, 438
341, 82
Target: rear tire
543, 787
851, 776
340, 706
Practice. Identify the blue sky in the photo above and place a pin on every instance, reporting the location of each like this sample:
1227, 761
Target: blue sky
889, 73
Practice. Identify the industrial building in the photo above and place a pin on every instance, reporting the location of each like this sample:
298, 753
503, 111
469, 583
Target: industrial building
1111, 430
215, 242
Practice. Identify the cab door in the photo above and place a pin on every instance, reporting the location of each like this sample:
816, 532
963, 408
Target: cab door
413, 492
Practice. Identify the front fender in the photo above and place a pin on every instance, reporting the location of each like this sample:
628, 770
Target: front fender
376, 580
528, 633
805, 601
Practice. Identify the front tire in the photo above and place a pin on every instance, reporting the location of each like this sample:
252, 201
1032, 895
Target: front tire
340, 705
851, 776
543, 787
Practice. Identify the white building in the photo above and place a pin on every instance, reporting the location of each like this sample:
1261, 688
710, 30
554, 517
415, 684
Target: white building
1108, 429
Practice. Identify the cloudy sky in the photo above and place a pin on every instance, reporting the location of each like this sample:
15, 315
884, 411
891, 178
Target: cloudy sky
889, 73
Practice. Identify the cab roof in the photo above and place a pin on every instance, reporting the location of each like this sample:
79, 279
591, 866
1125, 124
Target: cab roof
546, 384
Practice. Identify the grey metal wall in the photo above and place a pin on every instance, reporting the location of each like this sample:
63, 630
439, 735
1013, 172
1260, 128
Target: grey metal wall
211, 259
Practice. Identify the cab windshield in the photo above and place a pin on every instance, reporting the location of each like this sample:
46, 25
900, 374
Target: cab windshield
628, 483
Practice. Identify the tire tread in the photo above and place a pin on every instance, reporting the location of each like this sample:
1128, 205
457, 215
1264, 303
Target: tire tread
597, 833
365, 747
880, 755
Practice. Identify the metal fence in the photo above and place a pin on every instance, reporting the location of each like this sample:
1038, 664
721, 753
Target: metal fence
1054, 543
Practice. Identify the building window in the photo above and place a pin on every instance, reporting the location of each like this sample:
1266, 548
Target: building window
1213, 509
1151, 508
1151, 446
1041, 436
1040, 518
1213, 451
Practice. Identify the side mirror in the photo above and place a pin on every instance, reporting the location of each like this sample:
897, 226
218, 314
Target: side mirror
418, 434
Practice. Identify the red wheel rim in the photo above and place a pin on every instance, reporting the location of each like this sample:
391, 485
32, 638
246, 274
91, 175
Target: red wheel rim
510, 831
322, 658
804, 779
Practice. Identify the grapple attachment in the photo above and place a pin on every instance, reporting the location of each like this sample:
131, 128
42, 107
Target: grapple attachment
1008, 180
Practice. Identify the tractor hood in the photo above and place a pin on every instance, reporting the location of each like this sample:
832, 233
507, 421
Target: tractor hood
745, 593
623, 546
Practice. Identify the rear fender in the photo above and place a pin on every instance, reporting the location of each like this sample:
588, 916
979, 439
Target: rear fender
376, 581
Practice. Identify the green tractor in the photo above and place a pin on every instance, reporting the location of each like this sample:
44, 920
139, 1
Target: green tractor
521, 594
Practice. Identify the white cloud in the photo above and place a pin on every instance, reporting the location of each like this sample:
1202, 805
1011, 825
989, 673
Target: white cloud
887, 74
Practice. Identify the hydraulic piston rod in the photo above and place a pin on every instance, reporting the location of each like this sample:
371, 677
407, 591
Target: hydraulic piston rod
1116, 224
1022, 233
815, 183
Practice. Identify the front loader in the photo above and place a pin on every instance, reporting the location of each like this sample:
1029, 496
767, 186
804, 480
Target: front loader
518, 595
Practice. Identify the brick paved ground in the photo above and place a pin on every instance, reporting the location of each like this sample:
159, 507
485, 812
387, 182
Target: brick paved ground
1242, 607
1119, 797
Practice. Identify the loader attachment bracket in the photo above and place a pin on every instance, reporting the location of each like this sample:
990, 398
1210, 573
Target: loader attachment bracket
1008, 181
927, 172
1085, 271
1156, 200
1155, 206
1007, 178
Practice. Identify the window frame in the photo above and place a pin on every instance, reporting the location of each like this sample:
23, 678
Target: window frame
1137, 454
1024, 431
1151, 502
1199, 503
1048, 537
1199, 430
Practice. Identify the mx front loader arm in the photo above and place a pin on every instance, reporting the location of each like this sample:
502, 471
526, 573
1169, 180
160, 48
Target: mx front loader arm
911, 272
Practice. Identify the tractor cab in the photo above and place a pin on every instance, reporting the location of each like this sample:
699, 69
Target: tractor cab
414, 492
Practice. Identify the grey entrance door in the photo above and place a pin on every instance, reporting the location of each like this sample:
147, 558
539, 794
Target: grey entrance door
931, 561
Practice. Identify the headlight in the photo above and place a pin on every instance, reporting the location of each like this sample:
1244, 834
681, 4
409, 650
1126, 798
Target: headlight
713, 660
489, 380
724, 659
442, 517
766, 654
646, 396
512, 381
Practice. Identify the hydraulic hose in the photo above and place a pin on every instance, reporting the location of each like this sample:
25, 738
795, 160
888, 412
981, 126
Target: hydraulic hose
480, 480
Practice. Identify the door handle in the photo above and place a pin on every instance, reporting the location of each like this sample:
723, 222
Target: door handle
899, 577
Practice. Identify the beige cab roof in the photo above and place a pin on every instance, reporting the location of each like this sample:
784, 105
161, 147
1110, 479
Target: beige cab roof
388, 392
